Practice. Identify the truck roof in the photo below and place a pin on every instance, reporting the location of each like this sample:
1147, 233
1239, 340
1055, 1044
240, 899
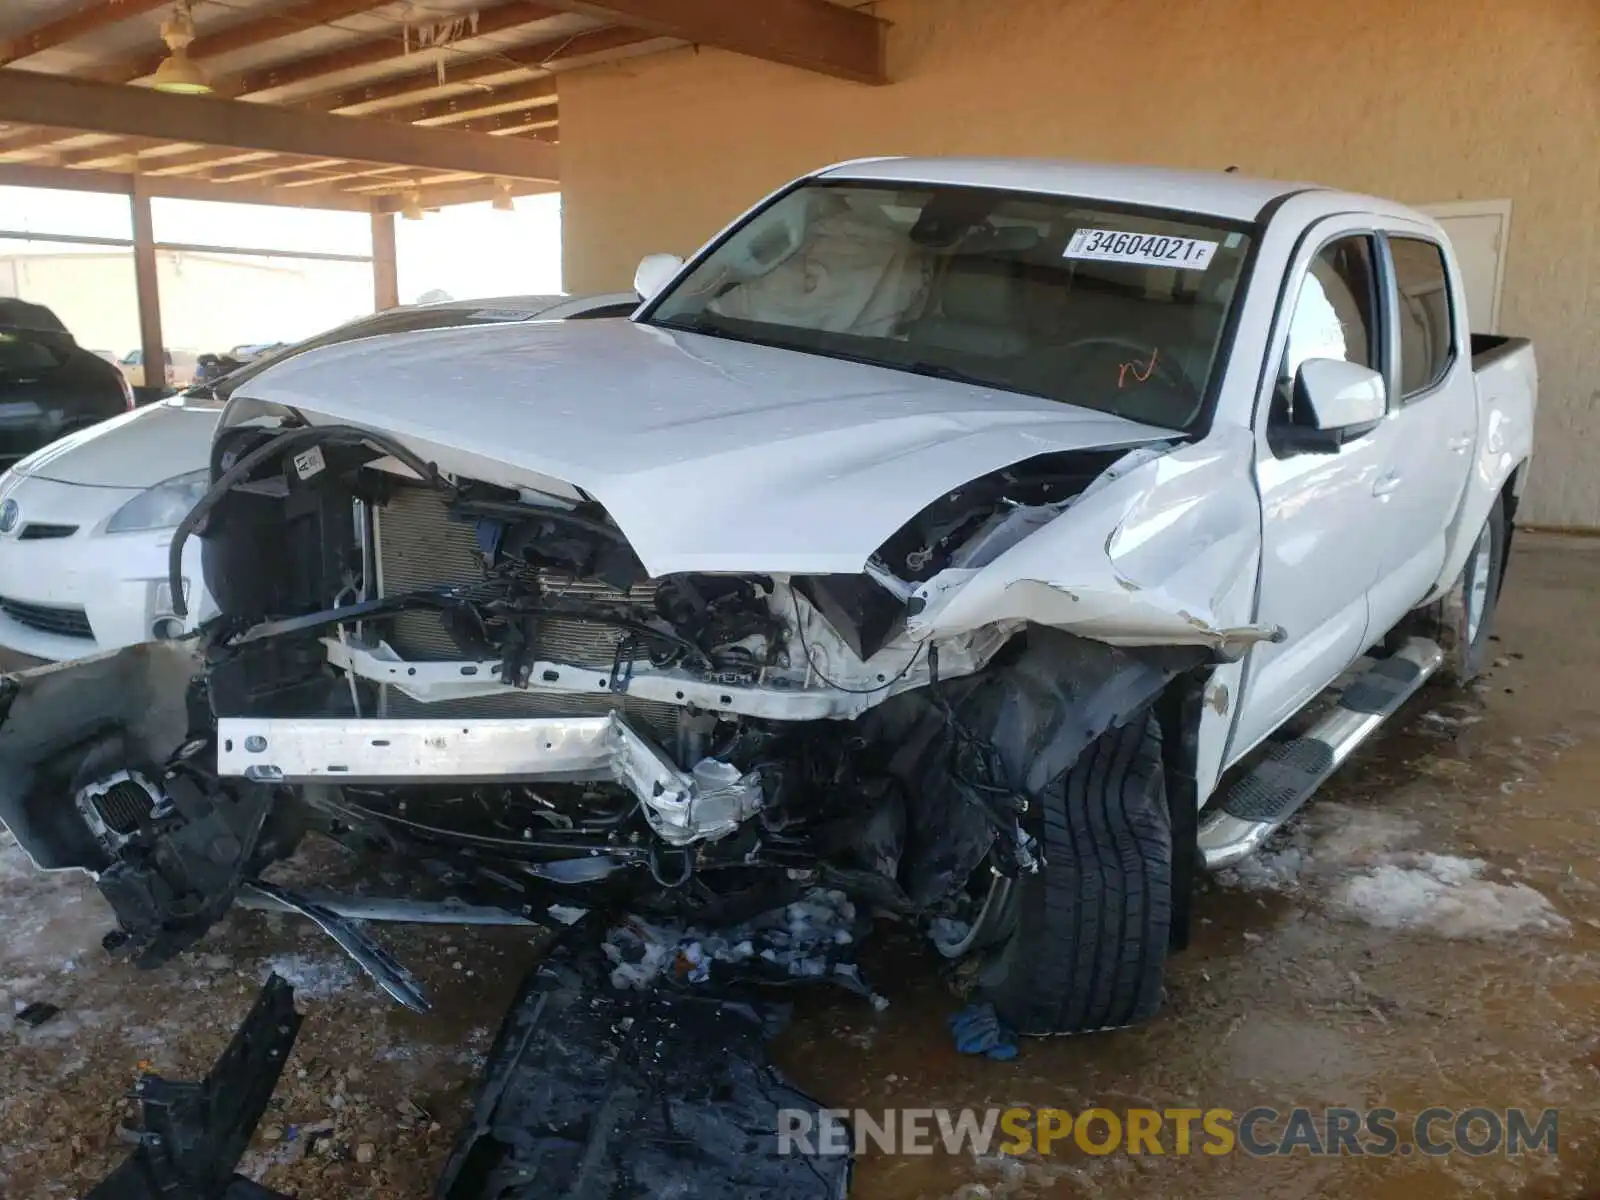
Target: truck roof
1238, 197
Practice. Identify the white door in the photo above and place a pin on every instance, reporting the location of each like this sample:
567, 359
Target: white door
1320, 554
1478, 232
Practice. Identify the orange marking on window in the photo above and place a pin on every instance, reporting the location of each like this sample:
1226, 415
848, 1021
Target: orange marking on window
1139, 375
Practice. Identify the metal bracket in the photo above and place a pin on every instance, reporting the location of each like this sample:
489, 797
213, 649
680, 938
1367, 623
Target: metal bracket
194, 1133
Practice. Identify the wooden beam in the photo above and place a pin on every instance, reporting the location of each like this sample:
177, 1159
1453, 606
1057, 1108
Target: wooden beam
540, 55
110, 152
33, 98
422, 183
86, 18
813, 35
309, 178
297, 18
180, 187
541, 131
371, 51
522, 94
451, 194
274, 166
200, 160
385, 263
521, 120
37, 139
148, 289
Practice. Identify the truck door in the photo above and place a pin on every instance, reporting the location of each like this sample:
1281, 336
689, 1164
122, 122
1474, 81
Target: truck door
1427, 441
1320, 544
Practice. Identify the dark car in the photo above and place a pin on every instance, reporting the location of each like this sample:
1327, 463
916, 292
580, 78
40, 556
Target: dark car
49, 385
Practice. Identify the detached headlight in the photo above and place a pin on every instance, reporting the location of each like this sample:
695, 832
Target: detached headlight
162, 506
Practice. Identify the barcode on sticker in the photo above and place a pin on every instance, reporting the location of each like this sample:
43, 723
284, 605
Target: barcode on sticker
308, 462
1145, 249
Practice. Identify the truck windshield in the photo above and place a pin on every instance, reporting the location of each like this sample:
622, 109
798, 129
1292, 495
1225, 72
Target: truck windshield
1098, 305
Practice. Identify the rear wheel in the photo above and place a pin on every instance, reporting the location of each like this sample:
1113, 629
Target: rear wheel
1463, 619
1088, 933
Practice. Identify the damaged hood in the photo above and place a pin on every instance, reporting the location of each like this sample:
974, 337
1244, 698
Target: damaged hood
710, 454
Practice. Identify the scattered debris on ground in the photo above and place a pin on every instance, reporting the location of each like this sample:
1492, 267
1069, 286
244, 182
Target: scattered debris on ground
654, 1092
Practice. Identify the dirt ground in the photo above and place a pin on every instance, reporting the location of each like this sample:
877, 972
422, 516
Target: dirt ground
1428, 933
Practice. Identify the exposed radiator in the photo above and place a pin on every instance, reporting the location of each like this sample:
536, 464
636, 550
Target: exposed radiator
419, 546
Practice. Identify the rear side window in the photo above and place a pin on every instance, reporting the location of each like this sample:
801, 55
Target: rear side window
1427, 331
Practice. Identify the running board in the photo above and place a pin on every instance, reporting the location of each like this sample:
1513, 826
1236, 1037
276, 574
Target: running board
1275, 788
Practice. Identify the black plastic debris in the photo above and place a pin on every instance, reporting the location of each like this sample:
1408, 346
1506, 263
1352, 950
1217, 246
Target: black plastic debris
37, 1013
193, 1134
605, 1094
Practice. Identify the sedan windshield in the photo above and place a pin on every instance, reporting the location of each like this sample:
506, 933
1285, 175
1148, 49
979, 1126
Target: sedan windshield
1083, 302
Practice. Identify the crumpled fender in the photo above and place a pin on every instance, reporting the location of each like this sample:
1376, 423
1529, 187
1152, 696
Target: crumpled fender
1164, 554
1039, 711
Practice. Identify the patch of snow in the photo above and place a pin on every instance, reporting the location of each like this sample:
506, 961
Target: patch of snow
1444, 895
313, 978
1356, 859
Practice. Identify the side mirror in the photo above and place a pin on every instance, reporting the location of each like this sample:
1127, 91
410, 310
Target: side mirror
1335, 402
655, 271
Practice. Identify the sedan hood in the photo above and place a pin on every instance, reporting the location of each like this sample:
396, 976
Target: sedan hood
710, 454
135, 450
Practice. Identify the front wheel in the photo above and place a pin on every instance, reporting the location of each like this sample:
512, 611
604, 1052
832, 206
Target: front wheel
1088, 933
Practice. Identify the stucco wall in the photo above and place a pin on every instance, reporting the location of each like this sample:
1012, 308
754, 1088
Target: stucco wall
1428, 101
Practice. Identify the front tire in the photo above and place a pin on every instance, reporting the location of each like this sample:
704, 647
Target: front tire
1089, 935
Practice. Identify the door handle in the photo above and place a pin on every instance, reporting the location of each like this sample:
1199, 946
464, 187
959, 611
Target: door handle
1460, 445
1387, 484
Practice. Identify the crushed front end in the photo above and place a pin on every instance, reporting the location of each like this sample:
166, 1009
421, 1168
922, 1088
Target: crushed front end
484, 677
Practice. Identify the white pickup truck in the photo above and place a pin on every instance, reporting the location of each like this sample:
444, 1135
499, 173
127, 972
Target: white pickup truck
1001, 542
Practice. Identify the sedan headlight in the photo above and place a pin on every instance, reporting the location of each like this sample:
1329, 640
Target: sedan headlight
162, 506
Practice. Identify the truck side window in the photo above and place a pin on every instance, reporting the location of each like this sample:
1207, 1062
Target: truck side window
1427, 334
1335, 316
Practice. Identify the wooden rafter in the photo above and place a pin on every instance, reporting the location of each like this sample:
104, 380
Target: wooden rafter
21, 175
309, 178
37, 139
85, 19
545, 53
120, 150
544, 116
455, 109
461, 193
267, 168
240, 36
371, 52
32, 98
813, 35
201, 160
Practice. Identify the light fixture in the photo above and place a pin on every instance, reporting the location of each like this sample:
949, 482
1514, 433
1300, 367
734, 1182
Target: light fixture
411, 205
178, 72
502, 197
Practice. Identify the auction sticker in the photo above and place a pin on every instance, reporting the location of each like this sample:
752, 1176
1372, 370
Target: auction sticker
1145, 249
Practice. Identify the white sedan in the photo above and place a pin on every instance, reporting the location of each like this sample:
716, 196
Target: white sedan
85, 523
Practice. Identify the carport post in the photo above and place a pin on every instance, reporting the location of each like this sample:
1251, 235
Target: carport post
385, 268
148, 288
